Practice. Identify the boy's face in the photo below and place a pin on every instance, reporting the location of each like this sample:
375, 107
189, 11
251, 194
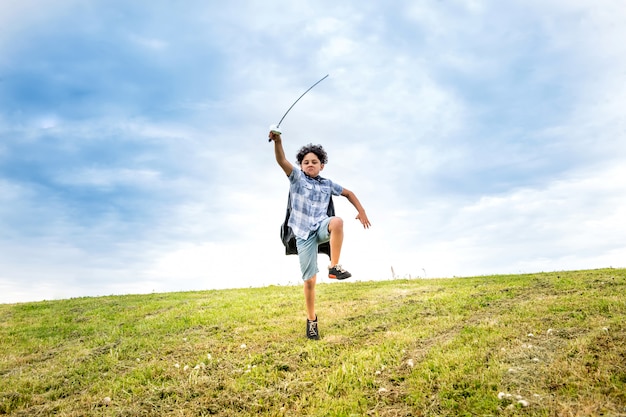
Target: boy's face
311, 165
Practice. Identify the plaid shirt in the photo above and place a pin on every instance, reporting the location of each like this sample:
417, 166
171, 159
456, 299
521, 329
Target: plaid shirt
309, 201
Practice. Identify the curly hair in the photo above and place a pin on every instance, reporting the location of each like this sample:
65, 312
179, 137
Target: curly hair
316, 149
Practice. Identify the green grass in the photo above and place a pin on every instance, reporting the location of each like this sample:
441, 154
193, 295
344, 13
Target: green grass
446, 347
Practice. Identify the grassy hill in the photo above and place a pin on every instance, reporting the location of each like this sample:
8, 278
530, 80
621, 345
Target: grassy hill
546, 344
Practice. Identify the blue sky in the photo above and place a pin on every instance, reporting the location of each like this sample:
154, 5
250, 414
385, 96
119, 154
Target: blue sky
482, 138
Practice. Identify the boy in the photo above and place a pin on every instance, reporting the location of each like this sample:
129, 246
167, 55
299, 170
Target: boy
310, 195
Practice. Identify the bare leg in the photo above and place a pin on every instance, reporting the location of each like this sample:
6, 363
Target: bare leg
309, 297
335, 227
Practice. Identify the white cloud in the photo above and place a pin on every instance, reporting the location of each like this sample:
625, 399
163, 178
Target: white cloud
149, 43
568, 223
20, 15
481, 137
108, 178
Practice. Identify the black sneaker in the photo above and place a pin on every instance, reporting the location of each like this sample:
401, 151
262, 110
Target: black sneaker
311, 329
337, 272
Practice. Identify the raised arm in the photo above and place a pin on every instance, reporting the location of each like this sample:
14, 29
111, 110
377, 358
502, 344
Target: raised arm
280, 153
362, 217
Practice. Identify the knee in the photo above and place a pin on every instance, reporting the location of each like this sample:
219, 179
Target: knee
309, 284
336, 223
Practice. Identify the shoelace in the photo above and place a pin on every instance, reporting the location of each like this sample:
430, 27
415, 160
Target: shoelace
312, 328
339, 268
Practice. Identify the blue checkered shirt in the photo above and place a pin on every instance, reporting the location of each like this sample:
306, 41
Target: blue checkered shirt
309, 201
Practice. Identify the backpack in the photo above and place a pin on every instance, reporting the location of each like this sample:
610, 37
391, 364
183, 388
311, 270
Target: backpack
289, 239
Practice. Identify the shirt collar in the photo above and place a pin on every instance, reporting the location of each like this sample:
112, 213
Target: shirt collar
318, 178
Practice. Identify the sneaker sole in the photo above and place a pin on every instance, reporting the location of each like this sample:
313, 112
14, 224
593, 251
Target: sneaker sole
340, 279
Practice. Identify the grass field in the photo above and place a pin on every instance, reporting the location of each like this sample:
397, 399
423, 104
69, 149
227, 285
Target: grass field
549, 344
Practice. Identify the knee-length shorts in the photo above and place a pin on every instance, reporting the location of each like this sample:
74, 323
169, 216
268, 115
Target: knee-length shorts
307, 249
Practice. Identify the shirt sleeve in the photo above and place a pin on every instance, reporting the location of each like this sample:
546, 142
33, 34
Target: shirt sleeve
295, 175
335, 188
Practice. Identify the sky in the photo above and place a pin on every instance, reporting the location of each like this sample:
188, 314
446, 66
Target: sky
482, 138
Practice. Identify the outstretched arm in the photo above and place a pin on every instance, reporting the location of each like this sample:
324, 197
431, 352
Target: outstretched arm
280, 153
362, 217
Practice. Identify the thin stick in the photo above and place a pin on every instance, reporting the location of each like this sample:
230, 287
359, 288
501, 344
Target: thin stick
294, 103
